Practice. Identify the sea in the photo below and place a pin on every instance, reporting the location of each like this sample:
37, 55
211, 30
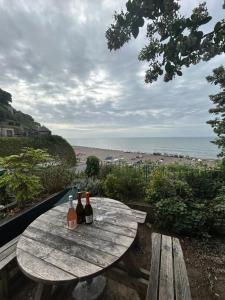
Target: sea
199, 147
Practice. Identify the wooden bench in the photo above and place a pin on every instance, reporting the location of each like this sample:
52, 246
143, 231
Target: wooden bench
7, 255
140, 215
168, 274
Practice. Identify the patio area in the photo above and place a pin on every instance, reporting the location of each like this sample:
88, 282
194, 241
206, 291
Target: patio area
204, 261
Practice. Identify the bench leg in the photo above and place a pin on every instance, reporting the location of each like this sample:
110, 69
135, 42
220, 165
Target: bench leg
131, 266
4, 284
43, 292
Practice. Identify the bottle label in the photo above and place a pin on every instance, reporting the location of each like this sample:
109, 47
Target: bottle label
72, 224
89, 219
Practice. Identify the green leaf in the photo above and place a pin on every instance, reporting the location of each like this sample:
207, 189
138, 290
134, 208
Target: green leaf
168, 67
135, 31
129, 6
217, 26
140, 22
205, 20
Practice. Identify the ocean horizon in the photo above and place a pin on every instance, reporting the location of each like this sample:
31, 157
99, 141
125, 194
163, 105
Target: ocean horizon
199, 147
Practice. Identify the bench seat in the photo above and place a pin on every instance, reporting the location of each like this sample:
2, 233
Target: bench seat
7, 255
168, 275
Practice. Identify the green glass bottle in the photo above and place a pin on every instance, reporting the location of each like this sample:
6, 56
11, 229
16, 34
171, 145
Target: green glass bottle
88, 210
80, 210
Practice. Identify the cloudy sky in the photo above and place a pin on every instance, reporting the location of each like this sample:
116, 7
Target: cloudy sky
55, 62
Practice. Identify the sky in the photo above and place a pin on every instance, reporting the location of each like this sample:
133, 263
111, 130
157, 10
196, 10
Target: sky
55, 62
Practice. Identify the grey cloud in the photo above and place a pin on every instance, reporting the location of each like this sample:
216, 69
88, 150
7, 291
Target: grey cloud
55, 62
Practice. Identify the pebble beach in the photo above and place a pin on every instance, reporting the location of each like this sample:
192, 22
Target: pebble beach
131, 157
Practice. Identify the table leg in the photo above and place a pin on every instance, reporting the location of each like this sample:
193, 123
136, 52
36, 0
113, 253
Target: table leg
91, 289
64, 291
43, 292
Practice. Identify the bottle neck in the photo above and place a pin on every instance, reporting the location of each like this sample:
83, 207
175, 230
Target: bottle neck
87, 199
70, 203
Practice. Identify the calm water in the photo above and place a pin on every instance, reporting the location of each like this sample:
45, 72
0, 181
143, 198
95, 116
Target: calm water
197, 147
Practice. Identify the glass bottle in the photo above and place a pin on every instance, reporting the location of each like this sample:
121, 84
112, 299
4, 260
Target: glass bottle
88, 210
71, 215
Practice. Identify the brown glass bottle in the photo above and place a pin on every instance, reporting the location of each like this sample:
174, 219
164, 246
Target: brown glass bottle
88, 210
80, 210
71, 215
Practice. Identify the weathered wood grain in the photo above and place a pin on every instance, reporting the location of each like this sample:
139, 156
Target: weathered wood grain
124, 231
80, 238
110, 216
88, 254
40, 270
153, 287
96, 232
9, 244
49, 252
8, 252
182, 288
166, 283
107, 204
64, 261
139, 215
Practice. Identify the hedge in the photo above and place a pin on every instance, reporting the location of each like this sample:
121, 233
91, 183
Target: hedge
56, 146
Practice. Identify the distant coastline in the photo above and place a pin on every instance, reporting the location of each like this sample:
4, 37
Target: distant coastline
200, 148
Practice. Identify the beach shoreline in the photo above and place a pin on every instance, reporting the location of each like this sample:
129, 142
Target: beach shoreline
132, 158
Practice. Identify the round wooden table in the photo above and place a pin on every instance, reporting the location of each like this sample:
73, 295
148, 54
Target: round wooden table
49, 253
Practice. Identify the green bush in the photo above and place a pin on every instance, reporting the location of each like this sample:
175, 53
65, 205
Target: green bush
4, 196
55, 145
20, 178
55, 178
92, 166
217, 210
90, 184
183, 202
125, 183
105, 170
164, 184
205, 181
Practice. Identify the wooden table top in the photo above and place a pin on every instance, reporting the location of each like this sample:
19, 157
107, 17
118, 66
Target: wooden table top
49, 252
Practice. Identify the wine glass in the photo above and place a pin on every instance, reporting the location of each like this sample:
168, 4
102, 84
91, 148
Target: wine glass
99, 216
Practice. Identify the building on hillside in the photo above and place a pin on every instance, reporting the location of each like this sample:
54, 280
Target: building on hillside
42, 130
5, 131
10, 128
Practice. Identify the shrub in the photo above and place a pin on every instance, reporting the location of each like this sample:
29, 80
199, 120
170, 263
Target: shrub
105, 170
20, 178
187, 199
92, 166
92, 185
125, 183
4, 196
173, 204
55, 178
164, 184
217, 210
